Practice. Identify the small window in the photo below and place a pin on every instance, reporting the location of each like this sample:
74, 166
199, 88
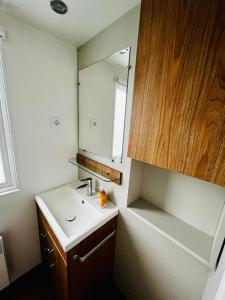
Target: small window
8, 178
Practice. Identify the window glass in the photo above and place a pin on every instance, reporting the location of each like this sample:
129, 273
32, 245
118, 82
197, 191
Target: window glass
8, 178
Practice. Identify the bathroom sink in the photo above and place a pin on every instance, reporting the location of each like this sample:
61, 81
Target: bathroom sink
72, 214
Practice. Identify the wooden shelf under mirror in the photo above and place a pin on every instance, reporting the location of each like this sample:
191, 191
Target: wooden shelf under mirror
102, 172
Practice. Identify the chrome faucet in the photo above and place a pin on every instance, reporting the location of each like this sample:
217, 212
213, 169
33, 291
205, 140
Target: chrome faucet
88, 185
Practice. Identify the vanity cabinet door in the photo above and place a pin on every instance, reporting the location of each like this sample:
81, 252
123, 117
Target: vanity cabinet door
178, 113
91, 266
57, 270
60, 277
55, 264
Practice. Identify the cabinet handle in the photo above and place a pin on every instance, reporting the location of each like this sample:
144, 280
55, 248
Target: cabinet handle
48, 250
43, 235
52, 266
82, 259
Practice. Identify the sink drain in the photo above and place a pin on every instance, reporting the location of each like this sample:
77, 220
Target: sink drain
70, 218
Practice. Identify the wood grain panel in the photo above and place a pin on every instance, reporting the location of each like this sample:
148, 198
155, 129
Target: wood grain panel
178, 114
56, 261
90, 278
106, 171
46, 228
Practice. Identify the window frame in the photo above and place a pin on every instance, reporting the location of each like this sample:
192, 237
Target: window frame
6, 143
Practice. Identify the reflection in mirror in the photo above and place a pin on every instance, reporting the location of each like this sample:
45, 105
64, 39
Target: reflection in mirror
102, 105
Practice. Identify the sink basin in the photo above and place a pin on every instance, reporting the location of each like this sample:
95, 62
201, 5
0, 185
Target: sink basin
72, 214
70, 210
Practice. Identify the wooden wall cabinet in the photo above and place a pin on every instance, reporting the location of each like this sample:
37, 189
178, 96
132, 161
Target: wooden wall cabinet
178, 114
76, 276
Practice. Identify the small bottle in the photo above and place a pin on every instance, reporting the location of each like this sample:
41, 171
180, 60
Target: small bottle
102, 197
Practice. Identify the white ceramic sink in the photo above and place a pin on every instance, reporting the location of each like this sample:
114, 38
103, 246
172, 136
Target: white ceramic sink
72, 214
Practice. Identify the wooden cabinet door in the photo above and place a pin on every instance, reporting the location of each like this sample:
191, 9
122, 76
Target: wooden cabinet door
55, 264
91, 265
60, 277
178, 114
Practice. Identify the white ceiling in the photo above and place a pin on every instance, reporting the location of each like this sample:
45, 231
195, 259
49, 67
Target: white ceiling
84, 19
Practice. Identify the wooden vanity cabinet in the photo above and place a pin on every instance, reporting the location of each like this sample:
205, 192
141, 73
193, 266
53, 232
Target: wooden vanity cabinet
178, 113
86, 270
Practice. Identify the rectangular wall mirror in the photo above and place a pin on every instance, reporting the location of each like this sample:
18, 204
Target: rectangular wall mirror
102, 105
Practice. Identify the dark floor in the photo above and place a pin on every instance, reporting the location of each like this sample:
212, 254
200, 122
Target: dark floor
35, 285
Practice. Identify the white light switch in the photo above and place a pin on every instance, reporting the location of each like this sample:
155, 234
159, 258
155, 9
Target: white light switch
56, 121
93, 123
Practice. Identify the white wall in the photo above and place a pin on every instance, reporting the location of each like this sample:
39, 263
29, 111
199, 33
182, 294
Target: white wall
147, 266
215, 288
121, 34
41, 77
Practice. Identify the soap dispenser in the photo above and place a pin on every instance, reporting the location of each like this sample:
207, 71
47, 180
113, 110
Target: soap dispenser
102, 197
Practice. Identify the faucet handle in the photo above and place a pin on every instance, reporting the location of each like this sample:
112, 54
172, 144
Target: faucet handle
89, 185
82, 186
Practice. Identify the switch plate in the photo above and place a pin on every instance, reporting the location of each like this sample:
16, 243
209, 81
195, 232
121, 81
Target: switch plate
56, 121
93, 123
